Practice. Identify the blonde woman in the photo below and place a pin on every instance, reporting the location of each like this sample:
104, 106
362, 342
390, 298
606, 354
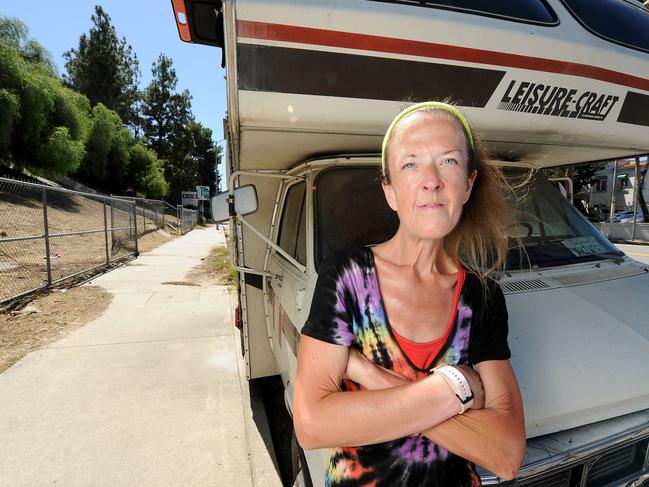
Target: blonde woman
403, 367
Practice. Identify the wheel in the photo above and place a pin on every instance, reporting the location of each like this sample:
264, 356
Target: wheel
301, 475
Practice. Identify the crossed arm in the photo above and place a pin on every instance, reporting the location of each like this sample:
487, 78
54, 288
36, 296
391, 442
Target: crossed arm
492, 436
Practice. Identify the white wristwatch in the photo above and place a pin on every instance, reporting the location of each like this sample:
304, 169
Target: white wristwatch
458, 383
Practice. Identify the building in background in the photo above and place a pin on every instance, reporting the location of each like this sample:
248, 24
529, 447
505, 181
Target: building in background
602, 186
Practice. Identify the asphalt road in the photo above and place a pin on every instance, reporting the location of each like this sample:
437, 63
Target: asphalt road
636, 252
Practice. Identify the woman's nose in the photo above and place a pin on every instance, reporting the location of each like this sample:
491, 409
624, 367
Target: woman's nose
431, 179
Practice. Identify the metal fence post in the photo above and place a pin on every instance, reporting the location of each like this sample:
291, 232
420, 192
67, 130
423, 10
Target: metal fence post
112, 224
48, 258
137, 252
143, 217
106, 233
179, 212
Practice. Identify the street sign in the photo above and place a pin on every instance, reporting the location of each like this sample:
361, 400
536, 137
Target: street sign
189, 198
203, 192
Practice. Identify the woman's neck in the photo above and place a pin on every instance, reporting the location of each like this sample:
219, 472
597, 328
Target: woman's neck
424, 257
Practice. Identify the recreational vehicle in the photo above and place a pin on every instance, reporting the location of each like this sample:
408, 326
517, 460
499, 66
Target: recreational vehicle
312, 86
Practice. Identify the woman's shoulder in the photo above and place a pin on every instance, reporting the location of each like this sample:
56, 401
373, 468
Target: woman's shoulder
345, 258
482, 290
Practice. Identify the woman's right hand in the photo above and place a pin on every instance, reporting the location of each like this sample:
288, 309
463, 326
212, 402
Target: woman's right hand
371, 376
476, 385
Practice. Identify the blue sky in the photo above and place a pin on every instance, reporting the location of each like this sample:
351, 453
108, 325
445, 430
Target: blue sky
149, 27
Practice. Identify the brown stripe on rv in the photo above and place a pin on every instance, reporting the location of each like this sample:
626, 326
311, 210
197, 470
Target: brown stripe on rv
323, 37
307, 72
635, 109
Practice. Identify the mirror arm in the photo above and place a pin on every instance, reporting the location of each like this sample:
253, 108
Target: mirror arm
231, 210
276, 247
246, 270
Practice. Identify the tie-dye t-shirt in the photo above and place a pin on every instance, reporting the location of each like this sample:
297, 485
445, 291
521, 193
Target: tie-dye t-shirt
347, 310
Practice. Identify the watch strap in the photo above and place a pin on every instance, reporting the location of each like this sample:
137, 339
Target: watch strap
458, 384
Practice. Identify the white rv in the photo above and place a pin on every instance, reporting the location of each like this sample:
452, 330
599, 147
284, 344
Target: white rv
312, 86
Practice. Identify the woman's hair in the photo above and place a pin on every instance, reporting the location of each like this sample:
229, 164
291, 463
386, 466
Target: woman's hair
479, 241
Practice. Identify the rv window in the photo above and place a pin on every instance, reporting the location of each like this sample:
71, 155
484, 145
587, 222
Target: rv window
531, 11
350, 209
292, 227
618, 21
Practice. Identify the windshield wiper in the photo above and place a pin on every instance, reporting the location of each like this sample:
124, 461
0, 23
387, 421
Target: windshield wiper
616, 258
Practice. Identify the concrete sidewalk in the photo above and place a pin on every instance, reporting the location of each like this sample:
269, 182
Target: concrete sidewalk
149, 394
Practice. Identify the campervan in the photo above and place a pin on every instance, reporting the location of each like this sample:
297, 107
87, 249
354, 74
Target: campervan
312, 86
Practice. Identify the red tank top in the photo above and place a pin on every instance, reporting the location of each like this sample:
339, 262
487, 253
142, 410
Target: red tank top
422, 353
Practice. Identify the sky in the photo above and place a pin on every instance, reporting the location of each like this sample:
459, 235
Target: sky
150, 28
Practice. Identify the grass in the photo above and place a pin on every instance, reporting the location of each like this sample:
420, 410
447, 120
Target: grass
222, 265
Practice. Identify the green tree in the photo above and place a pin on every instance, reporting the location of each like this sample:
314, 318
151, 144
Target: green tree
105, 68
14, 33
146, 173
107, 151
166, 117
206, 156
43, 125
155, 185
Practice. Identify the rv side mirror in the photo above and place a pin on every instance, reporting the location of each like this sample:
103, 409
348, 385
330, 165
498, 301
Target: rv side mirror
245, 203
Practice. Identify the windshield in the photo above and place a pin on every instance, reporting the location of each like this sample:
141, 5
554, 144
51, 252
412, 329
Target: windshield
350, 209
552, 231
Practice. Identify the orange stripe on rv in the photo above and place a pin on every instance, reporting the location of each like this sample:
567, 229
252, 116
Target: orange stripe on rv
323, 37
180, 13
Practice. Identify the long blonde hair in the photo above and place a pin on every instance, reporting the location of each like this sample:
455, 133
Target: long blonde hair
480, 239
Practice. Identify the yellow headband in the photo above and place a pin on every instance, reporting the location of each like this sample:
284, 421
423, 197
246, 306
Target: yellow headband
419, 106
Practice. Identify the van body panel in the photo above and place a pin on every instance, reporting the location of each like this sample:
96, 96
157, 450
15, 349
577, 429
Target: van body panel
575, 332
260, 361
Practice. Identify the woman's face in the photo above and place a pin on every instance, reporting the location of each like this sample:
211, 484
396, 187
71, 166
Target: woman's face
429, 183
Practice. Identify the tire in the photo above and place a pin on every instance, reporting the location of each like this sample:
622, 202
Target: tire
298, 461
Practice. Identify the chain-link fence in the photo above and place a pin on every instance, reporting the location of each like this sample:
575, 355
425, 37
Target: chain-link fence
158, 214
51, 234
187, 219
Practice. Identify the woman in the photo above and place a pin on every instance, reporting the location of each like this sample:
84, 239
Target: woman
385, 375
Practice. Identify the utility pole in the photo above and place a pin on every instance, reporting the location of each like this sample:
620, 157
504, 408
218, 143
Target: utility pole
612, 212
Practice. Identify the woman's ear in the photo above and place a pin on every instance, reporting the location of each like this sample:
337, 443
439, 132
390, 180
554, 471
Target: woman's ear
390, 197
469, 185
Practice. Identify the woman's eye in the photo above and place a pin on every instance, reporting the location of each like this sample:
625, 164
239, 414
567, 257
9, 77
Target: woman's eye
408, 165
449, 160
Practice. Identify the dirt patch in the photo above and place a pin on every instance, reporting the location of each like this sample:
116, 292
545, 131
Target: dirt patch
180, 283
154, 239
36, 321
48, 318
214, 270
